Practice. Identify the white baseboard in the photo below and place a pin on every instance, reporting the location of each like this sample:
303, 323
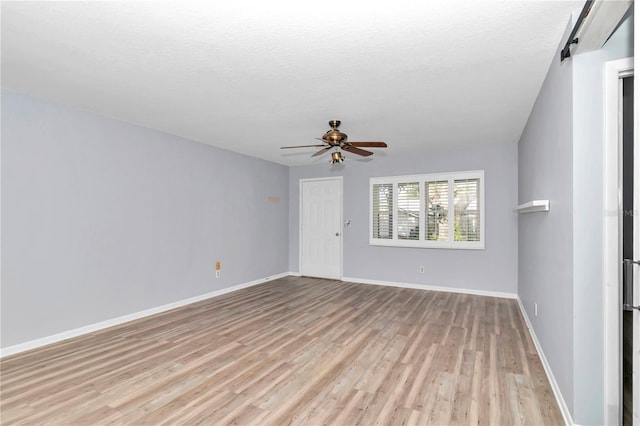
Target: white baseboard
432, 288
10, 350
547, 368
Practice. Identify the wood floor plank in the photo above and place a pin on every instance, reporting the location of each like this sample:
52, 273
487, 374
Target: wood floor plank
292, 351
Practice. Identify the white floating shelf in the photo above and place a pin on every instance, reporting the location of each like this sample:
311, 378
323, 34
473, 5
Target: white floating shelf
534, 206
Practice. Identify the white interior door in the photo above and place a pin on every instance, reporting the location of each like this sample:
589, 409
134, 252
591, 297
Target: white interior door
630, 237
636, 234
636, 276
622, 338
321, 228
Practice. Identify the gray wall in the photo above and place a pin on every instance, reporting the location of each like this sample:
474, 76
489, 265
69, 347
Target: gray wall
545, 240
491, 269
588, 223
102, 218
560, 265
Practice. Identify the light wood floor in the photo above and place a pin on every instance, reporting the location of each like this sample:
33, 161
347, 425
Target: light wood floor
296, 350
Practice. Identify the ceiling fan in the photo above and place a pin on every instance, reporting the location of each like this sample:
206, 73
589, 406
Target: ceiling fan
334, 138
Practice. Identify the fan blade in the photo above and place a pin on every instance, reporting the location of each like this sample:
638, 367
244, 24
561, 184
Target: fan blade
300, 146
322, 151
358, 151
369, 144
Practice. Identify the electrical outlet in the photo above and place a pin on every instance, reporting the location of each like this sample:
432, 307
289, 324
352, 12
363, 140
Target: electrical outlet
218, 273
422, 269
535, 309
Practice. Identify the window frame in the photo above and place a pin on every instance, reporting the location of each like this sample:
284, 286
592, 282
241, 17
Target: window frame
451, 177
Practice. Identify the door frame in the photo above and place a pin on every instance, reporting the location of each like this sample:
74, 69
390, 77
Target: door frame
612, 291
341, 221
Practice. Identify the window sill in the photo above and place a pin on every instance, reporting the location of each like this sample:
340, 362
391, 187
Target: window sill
460, 245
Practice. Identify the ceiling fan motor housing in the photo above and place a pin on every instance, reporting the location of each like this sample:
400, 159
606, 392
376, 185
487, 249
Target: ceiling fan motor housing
334, 137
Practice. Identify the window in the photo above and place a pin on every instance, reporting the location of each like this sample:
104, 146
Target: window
443, 210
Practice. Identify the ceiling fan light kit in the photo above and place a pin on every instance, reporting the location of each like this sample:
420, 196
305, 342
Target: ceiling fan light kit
336, 139
336, 157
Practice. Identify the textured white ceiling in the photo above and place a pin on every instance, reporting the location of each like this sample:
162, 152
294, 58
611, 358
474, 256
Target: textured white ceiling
251, 76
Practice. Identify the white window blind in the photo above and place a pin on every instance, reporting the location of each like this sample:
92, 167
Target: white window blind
382, 211
409, 211
437, 197
466, 213
443, 210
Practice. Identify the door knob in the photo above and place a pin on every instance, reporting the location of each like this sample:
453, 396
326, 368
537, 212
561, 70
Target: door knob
337, 234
